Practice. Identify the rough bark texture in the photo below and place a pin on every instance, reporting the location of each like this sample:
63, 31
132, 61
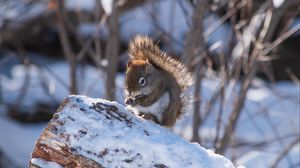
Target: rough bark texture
51, 147
88, 132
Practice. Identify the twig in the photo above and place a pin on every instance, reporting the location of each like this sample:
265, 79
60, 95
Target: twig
67, 50
5, 59
98, 55
194, 39
222, 99
92, 86
55, 76
158, 26
211, 102
292, 76
239, 102
276, 133
217, 24
27, 77
284, 152
185, 12
280, 39
83, 50
44, 84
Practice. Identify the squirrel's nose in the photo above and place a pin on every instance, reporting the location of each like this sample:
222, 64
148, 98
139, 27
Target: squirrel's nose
129, 101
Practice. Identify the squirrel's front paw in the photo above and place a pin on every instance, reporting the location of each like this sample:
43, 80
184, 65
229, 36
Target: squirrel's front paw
149, 116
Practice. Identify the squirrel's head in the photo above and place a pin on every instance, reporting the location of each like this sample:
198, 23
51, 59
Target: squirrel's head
140, 79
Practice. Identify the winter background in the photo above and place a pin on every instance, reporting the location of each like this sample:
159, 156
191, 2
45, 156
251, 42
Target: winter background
35, 71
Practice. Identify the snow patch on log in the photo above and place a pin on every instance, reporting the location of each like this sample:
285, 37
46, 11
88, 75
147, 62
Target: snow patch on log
45, 164
99, 133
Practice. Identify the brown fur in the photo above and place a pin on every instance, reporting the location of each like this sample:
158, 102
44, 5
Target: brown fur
164, 74
143, 48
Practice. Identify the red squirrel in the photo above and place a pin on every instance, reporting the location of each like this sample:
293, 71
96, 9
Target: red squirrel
155, 82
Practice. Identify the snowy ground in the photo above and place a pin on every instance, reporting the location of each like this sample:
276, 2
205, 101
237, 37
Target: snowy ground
281, 101
17, 140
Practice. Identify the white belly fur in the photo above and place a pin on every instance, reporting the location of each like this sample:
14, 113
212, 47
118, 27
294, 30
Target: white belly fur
157, 108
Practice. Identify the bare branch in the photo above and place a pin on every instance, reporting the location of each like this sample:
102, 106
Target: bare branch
112, 51
216, 25
67, 50
194, 40
280, 39
284, 152
234, 116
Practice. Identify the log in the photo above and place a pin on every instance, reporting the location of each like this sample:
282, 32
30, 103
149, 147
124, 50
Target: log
87, 132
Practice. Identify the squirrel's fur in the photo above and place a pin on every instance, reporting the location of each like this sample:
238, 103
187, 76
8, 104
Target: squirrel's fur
161, 99
143, 48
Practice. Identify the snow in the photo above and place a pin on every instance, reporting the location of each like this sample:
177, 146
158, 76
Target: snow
278, 3
14, 12
133, 142
17, 140
91, 85
80, 5
107, 6
44, 164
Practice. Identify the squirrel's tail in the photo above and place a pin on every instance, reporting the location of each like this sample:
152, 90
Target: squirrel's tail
143, 48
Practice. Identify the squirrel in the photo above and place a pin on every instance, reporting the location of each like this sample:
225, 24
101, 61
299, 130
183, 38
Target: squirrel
155, 82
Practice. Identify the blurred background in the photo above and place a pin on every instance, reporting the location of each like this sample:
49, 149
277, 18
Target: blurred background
244, 54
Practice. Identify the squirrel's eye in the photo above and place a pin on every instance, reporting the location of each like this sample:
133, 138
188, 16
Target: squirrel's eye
142, 81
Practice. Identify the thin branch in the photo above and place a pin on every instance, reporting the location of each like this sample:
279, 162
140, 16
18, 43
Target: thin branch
197, 105
284, 152
276, 133
292, 76
160, 28
239, 102
67, 50
280, 39
194, 39
185, 12
53, 74
222, 99
27, 77
225, 17
5, 59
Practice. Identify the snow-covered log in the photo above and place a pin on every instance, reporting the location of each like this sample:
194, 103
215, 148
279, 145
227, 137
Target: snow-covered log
88, 132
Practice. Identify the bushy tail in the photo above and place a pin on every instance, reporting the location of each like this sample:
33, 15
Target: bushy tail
143, 48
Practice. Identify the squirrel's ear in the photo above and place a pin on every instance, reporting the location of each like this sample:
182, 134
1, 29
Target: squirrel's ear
148, 68
129, 63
